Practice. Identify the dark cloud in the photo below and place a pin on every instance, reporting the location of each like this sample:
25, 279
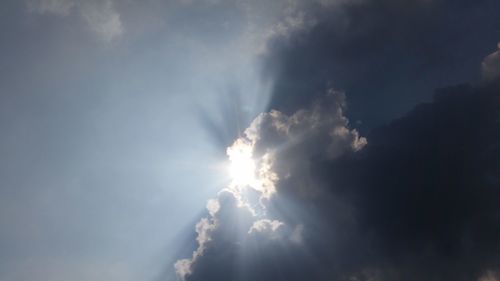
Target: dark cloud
425, 190
414, 200
387, 55
418, 202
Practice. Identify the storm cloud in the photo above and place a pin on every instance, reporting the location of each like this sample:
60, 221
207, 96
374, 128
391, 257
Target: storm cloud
416, 198
417, 201
386, 55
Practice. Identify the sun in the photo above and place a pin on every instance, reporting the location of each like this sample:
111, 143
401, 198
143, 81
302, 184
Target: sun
242, 166
242, 170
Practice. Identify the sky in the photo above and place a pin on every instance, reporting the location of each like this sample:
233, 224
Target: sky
184, 140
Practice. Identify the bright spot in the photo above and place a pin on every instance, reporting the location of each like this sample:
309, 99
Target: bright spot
242, 165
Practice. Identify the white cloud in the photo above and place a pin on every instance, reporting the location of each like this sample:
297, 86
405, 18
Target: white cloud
103, 19
59, 7
183, 268
204, 227
99, 16
213, 207
266, 225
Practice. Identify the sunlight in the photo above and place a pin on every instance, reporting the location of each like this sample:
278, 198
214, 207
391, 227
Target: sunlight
242, 166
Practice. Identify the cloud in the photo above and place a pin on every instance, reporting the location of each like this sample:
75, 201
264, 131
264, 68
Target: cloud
103, 19
225, 225
99, 16
279, 145
271, 227
295, 20
491, 66
423, 188
59, 7
386, 55
418, 201
489, 276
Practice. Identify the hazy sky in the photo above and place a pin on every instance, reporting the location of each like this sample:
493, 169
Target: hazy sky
105, 157
115, 116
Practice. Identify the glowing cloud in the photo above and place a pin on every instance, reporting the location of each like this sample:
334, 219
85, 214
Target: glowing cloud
275, 147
